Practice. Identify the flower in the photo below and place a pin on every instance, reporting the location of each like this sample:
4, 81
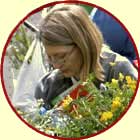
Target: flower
133, 87
128, 79
114, 83
121, 76
106, 115
115, 104
67, 101
131, 83
117, 98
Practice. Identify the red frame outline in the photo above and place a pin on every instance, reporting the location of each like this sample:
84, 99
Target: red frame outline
9, 39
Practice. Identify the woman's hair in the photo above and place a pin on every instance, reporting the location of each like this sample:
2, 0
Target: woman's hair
67, 24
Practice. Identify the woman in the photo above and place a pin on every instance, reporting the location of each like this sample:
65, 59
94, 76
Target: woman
74, 45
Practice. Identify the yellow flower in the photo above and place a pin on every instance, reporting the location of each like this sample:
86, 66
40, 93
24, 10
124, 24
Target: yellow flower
67, 101
121, 77
117, 98
133, 87
134, 82
114, 81
106, 115
131, 83
65, 104
115, 104
128, 79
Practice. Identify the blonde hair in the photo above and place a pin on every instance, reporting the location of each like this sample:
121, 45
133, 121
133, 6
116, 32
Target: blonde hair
68, 24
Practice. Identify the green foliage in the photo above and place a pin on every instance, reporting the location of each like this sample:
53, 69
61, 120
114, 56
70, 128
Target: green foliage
91, 113
19, 46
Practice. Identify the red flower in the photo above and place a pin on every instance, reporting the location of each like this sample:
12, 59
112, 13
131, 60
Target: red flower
79, 91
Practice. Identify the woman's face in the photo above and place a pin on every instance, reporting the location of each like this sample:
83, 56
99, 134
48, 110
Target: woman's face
66, 58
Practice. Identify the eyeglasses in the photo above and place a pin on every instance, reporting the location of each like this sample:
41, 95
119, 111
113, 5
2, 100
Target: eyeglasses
60, 59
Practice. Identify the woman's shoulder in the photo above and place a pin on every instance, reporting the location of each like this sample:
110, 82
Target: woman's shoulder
113, 63
107, 54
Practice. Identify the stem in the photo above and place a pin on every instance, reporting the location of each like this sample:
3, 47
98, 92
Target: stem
75, 110
94, 118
